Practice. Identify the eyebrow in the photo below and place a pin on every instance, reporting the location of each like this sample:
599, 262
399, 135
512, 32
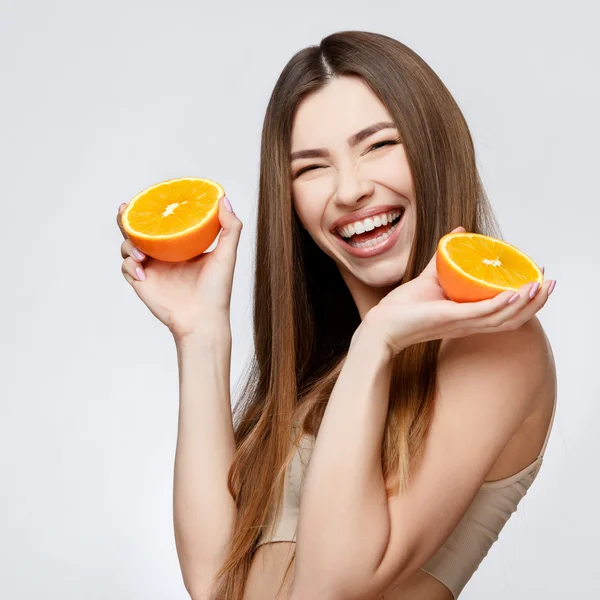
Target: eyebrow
352, 140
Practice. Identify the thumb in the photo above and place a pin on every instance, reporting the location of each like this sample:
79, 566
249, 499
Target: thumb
430, 270
231, 228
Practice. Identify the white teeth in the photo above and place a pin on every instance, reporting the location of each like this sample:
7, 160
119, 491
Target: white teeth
378, 240
367, 224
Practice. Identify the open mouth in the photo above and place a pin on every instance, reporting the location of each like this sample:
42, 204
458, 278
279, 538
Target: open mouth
374, 237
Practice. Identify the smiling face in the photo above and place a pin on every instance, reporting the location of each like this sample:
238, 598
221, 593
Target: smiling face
352, 177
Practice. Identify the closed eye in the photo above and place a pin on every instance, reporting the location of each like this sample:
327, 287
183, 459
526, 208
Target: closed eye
375, 146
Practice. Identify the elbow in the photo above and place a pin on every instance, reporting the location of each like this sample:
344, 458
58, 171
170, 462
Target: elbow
201, 589
196, 592
201, 593
345, 569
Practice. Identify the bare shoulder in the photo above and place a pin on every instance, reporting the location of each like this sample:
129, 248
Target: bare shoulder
529, 342
523, 354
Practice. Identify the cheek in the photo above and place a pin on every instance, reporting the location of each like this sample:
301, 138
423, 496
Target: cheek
395, 175
310, 215
308, 208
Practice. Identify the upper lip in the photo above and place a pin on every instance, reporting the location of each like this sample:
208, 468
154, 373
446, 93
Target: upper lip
363, 213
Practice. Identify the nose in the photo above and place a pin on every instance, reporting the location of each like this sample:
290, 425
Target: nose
351, 187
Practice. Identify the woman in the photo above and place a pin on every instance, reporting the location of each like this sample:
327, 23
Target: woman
425, 421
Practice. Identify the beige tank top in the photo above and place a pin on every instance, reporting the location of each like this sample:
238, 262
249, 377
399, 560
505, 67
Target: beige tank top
462, 552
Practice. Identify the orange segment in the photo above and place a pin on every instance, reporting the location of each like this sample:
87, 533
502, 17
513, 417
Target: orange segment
175, 220
474, 267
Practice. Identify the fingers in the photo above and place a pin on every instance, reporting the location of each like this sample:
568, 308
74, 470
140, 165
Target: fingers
128, 249
484, 308
132, 265
127, 269
528, 306
230, 234
119, 223
531, 296
133, 260
133, 269
498, 313
499, 303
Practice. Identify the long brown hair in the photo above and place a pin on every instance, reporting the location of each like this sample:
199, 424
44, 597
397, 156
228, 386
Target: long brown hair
304, 315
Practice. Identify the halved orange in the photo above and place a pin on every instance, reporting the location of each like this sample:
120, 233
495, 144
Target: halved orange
175, 220
472, 267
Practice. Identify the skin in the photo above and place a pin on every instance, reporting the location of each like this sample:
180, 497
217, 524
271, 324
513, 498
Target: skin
349, 179
352, 178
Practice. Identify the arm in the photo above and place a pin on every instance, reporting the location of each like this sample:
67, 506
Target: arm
344, 522
203, 510
352, 544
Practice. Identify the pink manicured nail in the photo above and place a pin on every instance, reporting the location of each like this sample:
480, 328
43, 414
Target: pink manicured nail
534, 289
137, 254
227, 204
141, 275
513, 298
551, 288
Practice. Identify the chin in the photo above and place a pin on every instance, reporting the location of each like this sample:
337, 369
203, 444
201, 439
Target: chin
389, 280
379, 276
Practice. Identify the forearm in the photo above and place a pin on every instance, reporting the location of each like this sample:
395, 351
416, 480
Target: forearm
203, 510
344, 521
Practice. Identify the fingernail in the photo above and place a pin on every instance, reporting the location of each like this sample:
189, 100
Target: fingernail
543, 270
122, 206
551, 288
534, 289
137, 254
141, 275
513, 298
227, 204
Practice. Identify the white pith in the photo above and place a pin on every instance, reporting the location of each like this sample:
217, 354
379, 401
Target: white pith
368, 224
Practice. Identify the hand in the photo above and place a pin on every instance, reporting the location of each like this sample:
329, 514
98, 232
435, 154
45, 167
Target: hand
419, 311
189, 294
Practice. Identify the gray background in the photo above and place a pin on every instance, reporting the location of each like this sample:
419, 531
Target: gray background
100, 100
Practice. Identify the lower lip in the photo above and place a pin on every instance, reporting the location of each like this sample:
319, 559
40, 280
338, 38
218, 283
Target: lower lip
380, 248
